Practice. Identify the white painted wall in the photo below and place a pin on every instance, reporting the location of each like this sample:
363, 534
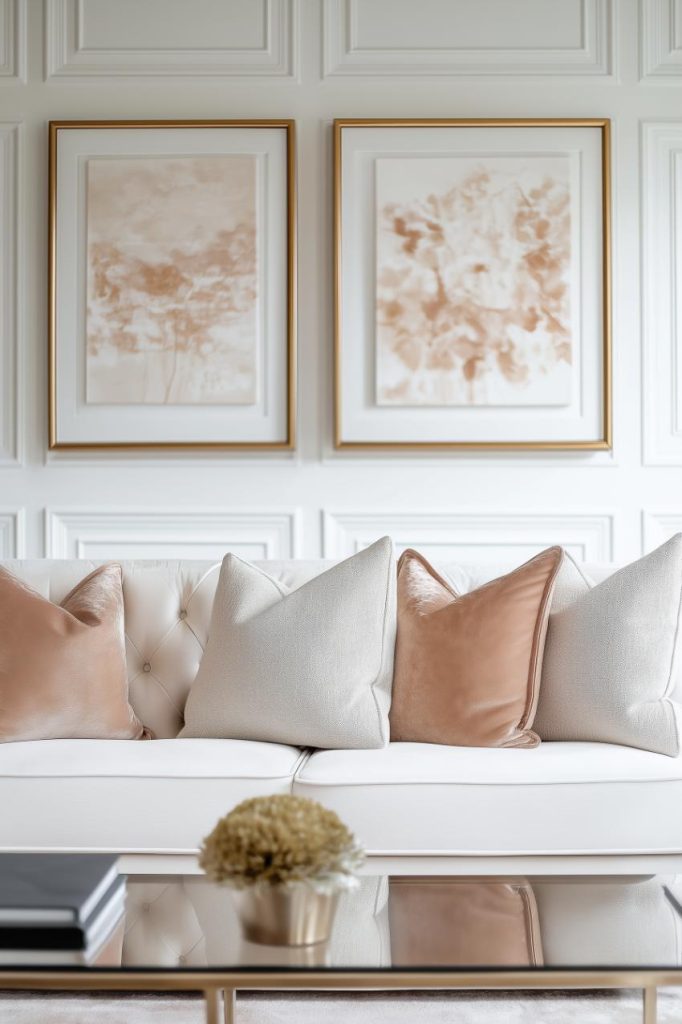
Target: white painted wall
314, 60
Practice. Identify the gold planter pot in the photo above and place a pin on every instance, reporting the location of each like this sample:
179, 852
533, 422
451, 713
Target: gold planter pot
291, 915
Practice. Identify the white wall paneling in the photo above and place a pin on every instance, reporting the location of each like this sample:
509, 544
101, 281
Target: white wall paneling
12, 533
9, 284
87, 38
12, 40
472, 536
181, 533
661, 40
662, 292
658, 527
467, 37
313, 60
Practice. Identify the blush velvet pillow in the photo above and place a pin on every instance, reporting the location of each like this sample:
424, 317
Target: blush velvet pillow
468, 666
63, 667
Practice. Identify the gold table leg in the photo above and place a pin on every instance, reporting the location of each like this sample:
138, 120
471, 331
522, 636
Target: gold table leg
649, 1005
212, 997
230, 1007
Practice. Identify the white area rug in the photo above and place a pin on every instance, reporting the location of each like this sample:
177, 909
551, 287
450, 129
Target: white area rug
407, 1008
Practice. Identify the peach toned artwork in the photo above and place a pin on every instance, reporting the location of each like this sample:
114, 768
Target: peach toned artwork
172, 294
474, 281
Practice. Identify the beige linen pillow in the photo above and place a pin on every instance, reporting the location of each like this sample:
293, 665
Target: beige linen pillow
467, 666
63, 667
311, 667
612, 657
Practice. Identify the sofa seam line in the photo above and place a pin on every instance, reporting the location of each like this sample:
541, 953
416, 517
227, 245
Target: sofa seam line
448, 782
155, 778
301, 761
562, 852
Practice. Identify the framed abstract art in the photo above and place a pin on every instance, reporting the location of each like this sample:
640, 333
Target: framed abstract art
472, 284
172, 284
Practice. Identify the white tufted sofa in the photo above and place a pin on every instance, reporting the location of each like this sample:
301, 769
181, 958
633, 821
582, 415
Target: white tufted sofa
407, 801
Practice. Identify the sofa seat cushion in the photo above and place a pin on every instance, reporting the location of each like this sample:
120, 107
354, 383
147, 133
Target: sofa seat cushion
558, 798
121, 795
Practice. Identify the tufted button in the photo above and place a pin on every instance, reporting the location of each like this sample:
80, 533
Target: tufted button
146, 667
183, 614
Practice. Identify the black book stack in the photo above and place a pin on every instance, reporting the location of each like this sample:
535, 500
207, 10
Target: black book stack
58, 908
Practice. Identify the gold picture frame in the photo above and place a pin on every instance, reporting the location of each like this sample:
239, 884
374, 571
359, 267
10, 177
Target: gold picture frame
602, 441
287, 440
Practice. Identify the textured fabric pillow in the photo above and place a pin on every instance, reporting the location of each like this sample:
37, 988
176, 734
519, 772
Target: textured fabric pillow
467, 667
311, 667
63, 667
613, 658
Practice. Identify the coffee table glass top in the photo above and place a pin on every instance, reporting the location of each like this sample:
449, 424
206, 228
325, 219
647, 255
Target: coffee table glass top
184, 922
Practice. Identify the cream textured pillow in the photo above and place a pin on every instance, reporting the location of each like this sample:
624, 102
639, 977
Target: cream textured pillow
612, 656
312, 667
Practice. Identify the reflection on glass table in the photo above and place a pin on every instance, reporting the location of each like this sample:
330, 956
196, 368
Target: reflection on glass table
411, 923
182, 933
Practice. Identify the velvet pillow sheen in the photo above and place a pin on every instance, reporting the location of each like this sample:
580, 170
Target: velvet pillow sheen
468, 666
63, 667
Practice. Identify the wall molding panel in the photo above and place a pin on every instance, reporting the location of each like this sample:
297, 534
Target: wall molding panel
312, 61
74, 48
12, 41
470, 536
347, 52
662, 292
12, 533
658, 527
100, 534
9, 293
660, 33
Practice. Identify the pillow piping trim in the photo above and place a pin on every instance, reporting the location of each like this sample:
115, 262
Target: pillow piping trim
534, 677
282, 590
669, 687
587, 580
382, 732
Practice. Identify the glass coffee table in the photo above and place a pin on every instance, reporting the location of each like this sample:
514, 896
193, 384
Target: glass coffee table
180, 933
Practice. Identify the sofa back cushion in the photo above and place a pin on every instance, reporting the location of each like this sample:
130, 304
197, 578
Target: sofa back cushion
168, 606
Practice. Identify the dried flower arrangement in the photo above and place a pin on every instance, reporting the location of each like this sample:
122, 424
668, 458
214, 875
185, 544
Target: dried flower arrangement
281, 840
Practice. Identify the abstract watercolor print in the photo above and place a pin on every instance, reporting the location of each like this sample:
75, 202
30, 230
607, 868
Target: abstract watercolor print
171, 280
474, 277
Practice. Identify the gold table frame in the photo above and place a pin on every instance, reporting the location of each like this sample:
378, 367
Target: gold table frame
216, 982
